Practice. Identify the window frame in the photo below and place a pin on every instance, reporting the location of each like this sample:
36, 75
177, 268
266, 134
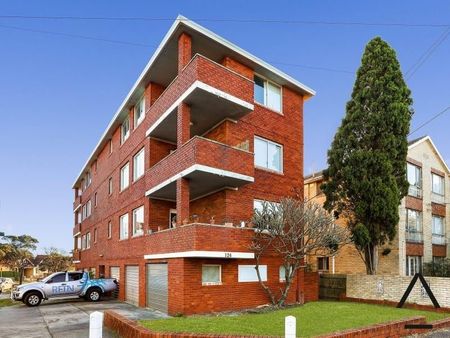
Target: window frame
110, 186
263, 272
109, 230
268, 142
126, 136
323, 259
127, 227
138, 121
266, 95
220, 275
127, 165
415, 190
442, 181
135, 157
134, 213
88, 240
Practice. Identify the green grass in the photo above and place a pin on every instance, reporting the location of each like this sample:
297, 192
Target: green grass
6, 302
312, 319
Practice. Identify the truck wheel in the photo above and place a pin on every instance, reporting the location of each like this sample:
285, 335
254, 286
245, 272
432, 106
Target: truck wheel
33, 299
94, 294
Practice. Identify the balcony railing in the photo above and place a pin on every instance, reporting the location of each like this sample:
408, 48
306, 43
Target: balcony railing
415, 191
414, 236
437, 198
438, 239
76, 202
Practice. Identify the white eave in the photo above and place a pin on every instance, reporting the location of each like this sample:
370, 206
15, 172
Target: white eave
202, 254
181, 20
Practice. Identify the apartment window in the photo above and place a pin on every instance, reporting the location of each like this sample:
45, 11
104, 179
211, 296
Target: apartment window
88, 208
123, 225
413, 226
138, 221
323, 263
438, 229
79, 217
258, 204
437, 189
79, 243
138, 164
88, 179
139, 112
110, 186
211, 274
282, 273
95, 200
413, 265
414, 175
109, 229
268, 154
247, 273
83, 209
88, 240
125, 130
95, 235
267, 93
125, 176
83, 242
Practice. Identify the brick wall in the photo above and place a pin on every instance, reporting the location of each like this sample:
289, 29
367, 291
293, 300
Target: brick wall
392, 288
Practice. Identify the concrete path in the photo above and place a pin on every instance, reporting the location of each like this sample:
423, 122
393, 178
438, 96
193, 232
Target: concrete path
63, 318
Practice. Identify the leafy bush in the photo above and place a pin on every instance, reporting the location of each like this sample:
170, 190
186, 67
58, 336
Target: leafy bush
437, 268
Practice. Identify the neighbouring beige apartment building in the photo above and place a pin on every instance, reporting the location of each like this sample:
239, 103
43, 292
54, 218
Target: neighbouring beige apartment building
424, 228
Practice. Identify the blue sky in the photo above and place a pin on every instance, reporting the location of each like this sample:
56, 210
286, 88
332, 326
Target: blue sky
57, 93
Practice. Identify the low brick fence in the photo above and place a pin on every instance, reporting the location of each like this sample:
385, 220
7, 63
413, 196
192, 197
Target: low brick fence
391, 288
127, 328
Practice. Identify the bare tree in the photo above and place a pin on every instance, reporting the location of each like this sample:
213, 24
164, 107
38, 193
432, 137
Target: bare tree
293, 229
55, 260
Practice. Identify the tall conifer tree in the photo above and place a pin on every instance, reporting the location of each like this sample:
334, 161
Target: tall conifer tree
366, 175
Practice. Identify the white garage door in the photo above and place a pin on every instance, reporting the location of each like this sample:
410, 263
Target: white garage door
132, 284
157, 286
115, 272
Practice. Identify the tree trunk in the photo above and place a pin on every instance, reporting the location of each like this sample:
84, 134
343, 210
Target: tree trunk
21, 275
371, 259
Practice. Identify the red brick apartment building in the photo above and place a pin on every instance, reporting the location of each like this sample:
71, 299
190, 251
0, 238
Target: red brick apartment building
163, 203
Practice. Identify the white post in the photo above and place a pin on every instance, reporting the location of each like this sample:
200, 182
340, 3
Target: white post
96, 325
290, 330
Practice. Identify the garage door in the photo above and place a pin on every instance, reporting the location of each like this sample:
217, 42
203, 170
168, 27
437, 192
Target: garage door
132, 284
115, 272
157, 287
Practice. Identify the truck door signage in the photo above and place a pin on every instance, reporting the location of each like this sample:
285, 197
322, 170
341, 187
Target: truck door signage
63, 289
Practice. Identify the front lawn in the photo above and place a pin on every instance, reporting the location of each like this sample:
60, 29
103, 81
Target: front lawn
6, 302
312, 319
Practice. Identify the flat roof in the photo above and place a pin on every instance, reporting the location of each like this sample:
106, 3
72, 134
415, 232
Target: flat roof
183, 24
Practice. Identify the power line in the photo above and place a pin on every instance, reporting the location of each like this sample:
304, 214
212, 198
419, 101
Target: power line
85, 37
442, 112
232, 20
427, 54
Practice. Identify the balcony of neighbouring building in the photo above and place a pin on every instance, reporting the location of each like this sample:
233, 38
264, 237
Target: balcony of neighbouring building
414, 236
194, 241
208, 165
76, 229
213, 93
77, 203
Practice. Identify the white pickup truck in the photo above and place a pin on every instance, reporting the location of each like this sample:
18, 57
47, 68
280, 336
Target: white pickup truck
63, 284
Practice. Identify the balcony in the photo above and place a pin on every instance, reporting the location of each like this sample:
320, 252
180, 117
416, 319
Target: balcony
437, 198
415, 191
76, 229
76, 255
438, 239
194, 241
414, 236
213, 92
209, 165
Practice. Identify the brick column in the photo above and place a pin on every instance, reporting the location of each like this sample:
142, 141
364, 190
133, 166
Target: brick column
184, 50
183, 124
182, 200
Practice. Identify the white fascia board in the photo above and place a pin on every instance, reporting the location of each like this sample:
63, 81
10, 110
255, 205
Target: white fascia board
428, 138
78, 207
200, 167
203, 254
78, 233
206, 88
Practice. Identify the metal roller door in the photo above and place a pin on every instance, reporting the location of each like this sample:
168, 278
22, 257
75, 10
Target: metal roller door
114, 272
132, 284
157, 287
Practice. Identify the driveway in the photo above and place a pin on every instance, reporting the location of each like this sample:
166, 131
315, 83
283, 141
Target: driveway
63, 318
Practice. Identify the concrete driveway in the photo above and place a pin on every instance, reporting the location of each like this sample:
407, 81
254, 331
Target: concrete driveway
63, 318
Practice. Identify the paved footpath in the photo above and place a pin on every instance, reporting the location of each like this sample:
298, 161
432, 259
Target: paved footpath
62, 319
